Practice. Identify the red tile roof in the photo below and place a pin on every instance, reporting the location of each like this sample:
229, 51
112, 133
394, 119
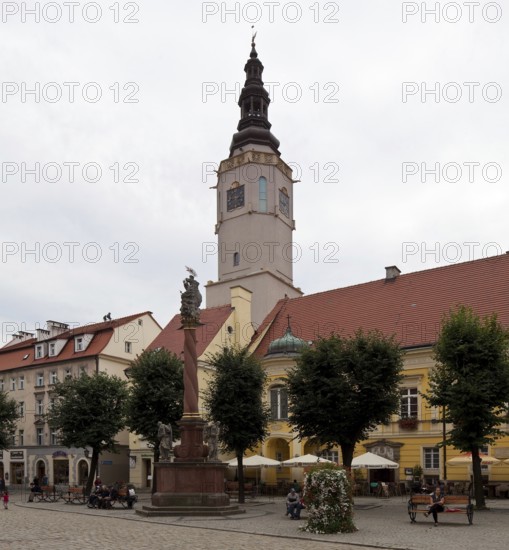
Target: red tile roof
410, 306
172, 338
13, 355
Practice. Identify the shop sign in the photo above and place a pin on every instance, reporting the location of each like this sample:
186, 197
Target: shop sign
17, 455
107, 462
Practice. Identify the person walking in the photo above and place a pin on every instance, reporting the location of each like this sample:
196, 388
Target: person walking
6, 499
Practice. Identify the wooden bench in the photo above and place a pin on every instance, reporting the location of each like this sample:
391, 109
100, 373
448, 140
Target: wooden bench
75, 495
47, 493
459, 504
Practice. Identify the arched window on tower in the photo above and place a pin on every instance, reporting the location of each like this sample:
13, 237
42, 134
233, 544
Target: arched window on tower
262, 194
278, 403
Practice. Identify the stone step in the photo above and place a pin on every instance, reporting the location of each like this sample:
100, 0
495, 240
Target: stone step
151, 511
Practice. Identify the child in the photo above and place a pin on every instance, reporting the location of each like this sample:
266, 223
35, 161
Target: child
6, 499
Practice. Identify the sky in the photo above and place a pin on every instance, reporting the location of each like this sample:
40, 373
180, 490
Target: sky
115, 114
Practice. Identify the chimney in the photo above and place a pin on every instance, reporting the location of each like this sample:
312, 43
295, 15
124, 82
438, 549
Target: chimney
391, 273
20, 336
55, 328
42, 334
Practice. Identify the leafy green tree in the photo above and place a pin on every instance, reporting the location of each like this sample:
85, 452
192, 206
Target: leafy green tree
342, 388
234, 398
471, 380
9, 415
89, 411
156, 394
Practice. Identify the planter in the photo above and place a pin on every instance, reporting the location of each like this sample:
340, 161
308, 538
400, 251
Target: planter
408, 423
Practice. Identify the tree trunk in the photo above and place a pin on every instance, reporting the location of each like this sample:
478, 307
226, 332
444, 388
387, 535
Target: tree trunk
241, 478
347, 452
91, 473
478, 488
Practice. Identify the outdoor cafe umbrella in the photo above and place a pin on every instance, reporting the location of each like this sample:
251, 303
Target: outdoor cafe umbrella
466, 458
372, 461
304, 460
255, 461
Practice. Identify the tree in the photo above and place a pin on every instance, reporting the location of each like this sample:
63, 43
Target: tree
9, 414
89, 411
234, 399
342, 388
471, 380
156, 394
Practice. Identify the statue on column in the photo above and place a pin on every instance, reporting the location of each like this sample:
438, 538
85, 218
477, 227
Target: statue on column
190, 300
165, 435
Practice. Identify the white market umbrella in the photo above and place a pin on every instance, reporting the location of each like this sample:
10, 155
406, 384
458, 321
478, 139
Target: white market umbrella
304, 460
255, 461
466, 458
372, 461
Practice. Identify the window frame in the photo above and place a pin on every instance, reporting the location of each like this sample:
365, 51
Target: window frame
433, 455
278, 399
409, 400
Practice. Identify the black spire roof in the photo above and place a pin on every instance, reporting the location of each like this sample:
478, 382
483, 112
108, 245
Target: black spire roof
254, 125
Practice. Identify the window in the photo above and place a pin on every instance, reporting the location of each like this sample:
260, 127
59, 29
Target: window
39, 436
128, 347
39, 379
431, 458
54, 438
236, 259
53, 377
21, 408
21, 382
1, 384
21, 437
39, 351
330, 455
83, 370
13, 384
278, 403
51, 403
52, 349
409, 403
68, 373
78, 344
262, 194
39, 406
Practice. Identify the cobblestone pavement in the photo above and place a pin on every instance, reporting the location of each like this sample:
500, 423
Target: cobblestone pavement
381, 523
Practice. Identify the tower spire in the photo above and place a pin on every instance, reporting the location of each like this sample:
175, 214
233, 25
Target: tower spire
254, 126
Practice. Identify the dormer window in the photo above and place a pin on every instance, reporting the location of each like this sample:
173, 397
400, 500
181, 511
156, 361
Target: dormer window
78, 344
39, 351
52, 349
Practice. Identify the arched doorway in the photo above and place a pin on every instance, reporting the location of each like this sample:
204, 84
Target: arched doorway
278, 448
61, 471
40, 472
82, 472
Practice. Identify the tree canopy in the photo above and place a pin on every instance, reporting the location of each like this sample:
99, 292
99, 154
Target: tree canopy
342, 388
89, 411
234, 399
156, 394
9, 415
471, 380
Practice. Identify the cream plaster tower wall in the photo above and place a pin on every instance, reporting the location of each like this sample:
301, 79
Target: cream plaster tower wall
254, 208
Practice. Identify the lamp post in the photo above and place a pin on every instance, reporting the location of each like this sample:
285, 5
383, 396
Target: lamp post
443, 443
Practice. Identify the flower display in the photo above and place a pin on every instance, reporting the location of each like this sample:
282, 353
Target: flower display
328, 499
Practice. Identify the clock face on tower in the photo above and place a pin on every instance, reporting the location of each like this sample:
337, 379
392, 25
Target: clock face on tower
284, 203
235, 198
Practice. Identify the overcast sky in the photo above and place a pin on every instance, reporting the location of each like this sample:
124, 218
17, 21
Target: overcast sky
352, 104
